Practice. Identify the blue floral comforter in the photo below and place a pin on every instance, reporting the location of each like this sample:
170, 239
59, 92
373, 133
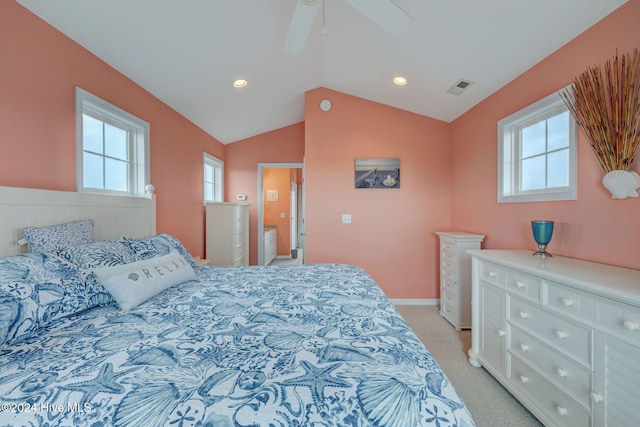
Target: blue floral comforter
315, 345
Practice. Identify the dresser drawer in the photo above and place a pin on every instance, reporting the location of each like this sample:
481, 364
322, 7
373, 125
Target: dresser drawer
241, 223
524, 285
572, 302
239, 250
449, 296
561, 370
239, 239
493, 274
448, 309
449, 286
448, 261
621, 319
449, 274
242, 261
555, 404
560, 333
447, 245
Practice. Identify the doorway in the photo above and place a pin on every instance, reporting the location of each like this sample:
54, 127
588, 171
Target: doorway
277, 213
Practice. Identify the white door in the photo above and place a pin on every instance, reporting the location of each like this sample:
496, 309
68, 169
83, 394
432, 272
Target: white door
293, 215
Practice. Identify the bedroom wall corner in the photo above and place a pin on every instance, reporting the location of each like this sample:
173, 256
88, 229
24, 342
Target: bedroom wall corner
593, 227
284, 145
40, 68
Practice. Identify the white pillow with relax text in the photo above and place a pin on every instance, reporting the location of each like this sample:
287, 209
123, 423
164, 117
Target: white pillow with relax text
134, 283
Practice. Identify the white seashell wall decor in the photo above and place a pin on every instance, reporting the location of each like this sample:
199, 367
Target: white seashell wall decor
622, 184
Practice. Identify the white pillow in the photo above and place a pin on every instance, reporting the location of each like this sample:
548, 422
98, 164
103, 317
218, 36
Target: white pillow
134, 283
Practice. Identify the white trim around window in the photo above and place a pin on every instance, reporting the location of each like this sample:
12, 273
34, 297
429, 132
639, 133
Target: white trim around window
213, 178
132, 158
515, 174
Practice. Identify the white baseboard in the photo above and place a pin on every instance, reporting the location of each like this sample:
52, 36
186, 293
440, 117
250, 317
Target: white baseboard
415, 301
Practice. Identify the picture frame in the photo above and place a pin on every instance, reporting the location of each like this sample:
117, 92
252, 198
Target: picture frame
377, 172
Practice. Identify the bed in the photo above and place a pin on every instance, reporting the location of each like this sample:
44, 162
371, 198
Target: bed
313, 345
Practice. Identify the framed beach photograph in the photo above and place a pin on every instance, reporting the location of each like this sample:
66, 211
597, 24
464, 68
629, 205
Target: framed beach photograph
378, 173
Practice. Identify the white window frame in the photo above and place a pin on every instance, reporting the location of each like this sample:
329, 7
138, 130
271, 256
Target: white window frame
508, 153
139, 136
218, 184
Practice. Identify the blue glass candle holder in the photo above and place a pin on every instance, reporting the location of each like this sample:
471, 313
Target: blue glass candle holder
542, 232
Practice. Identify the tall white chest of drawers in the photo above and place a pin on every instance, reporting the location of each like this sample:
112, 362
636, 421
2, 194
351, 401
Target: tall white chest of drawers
455, 276
227, 239
562, 335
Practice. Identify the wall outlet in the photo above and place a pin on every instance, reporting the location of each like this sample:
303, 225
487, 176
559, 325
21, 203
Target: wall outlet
346, 218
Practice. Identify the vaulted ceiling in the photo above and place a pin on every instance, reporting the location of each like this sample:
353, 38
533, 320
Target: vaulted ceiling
188, 52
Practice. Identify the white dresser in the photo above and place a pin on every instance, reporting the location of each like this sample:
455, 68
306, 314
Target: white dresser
227, 240
562, 335
455, 276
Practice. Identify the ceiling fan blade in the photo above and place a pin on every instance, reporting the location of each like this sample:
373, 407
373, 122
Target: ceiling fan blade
386, 14
301, 23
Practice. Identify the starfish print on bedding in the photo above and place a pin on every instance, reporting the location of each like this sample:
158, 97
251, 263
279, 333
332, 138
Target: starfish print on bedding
238, 332
103, 383
317, 303
400, 333
317, 379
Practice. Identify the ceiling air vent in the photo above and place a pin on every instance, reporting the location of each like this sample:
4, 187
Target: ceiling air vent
460, 86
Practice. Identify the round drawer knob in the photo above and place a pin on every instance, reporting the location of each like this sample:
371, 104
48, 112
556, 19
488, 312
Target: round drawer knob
561, 410
561, 334
524, 347
630, 325
523, 314
492, 274
524, 379
520, 284
567, 302
596, 397
562, 372
501, 332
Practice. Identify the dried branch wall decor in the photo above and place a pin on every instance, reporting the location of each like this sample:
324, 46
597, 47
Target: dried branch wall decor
605, 102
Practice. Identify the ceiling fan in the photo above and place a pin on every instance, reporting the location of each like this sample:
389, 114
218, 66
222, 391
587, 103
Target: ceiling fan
384, 13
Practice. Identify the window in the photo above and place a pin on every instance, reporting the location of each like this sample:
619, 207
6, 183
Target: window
537, 153
213, 178
112, 148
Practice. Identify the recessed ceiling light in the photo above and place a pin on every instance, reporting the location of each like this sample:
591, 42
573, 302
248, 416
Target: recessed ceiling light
239, 83
399, 81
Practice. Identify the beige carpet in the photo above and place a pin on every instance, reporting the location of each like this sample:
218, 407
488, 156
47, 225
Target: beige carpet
490, 404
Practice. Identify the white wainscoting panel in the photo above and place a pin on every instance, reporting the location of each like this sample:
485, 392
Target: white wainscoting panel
114, 216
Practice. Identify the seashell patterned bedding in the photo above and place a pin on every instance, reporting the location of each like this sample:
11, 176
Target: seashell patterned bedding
314, 345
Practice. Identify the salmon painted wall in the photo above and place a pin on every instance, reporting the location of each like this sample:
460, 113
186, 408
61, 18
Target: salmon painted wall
280, 180
593, 227
39, 68
392, 230
284, 145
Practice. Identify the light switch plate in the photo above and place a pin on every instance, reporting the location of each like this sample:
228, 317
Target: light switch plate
346, 218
